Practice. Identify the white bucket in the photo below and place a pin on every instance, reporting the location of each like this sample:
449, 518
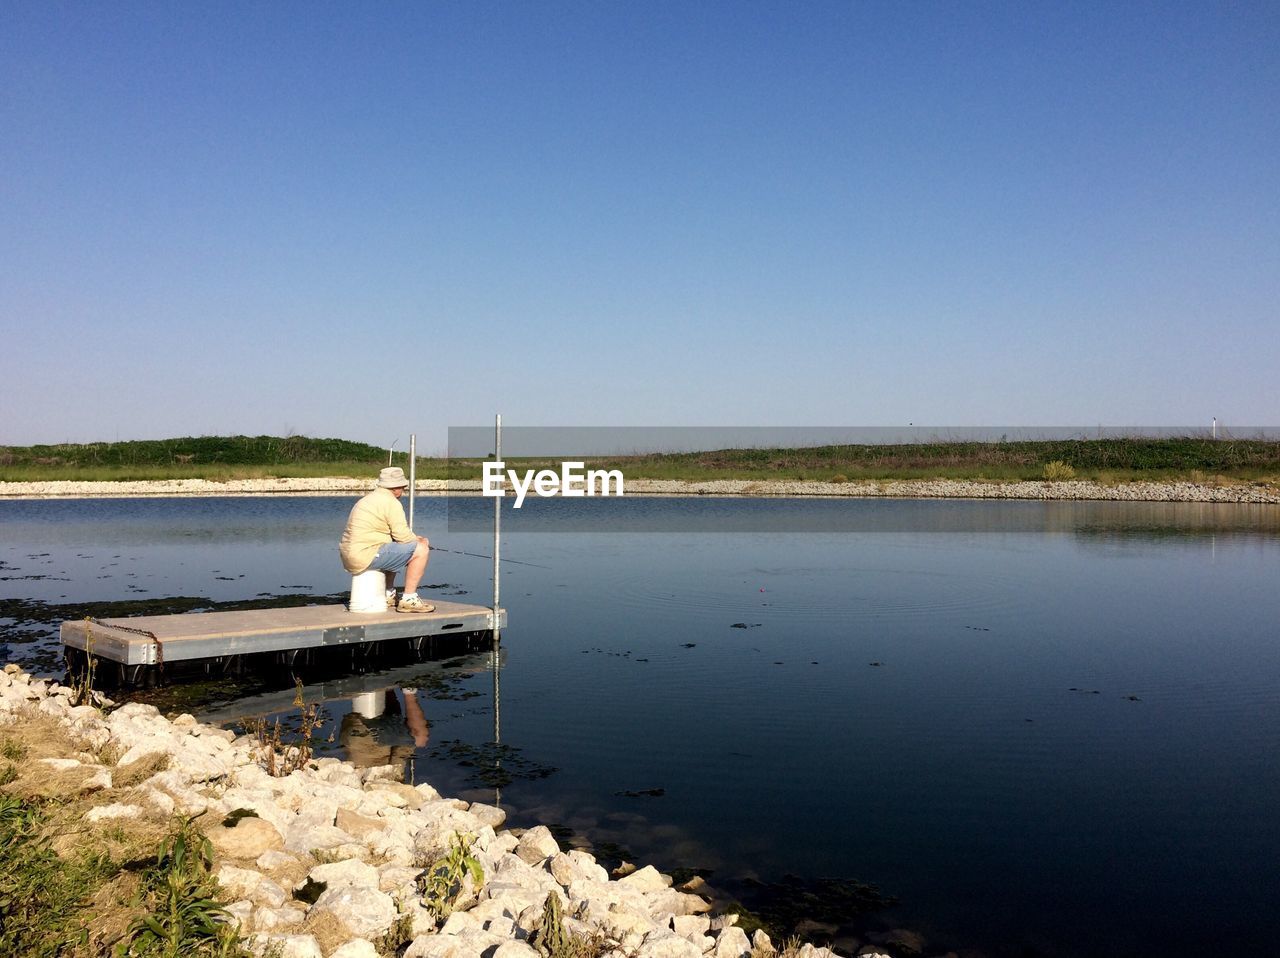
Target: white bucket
368, 592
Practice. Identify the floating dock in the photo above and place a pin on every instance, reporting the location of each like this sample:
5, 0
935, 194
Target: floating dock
143, 645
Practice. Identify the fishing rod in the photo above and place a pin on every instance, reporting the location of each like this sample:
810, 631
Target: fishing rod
457, 552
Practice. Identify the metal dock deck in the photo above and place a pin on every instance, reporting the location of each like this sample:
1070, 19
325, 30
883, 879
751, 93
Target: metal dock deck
139, 643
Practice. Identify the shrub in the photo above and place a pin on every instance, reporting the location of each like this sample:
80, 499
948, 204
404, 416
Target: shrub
1058, 470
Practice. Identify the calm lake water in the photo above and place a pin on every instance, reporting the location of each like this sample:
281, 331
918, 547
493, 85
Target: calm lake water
1044, 728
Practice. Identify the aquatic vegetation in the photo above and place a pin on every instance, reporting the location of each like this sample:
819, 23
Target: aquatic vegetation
492, 764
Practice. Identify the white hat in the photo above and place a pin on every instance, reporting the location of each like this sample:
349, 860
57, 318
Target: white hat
392, 478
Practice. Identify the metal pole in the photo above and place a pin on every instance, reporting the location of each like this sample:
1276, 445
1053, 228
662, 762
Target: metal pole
413, 473
497, 522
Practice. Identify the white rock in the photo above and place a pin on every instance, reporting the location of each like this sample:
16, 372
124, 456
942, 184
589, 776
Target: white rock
348, 872
364, 910
277, 919
58, 764
99, 781
159, 800
238, 882
57, 707
537, 845
692, 927
459, 923
502, 927
665, 944
732, 943
491, 815
250, 837
304, 837
515, 949
356, 948
439, 946
240, 912
270, 861
760, 941
645, 879
108, 812
291, 946
396, 877
626, 925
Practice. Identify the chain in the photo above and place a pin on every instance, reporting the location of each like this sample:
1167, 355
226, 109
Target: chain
128, 628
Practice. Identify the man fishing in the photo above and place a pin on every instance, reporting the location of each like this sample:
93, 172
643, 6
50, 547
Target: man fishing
378, 537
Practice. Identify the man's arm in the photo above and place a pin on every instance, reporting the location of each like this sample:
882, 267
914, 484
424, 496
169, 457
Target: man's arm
399, 528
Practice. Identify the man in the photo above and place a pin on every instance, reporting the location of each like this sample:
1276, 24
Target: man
378, 537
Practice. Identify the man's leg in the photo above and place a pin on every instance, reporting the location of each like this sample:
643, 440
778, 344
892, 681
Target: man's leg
417, 566
391, 580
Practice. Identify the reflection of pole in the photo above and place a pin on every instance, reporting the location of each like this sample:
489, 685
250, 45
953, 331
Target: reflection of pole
497, 720
413, 473
497, 522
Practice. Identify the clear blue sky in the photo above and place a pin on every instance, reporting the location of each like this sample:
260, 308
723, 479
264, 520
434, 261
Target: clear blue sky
366, 219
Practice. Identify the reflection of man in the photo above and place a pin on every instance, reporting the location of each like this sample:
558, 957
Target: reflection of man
371, 735
378, 537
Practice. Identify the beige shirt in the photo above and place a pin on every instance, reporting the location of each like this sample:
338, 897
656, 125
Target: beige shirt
375, 520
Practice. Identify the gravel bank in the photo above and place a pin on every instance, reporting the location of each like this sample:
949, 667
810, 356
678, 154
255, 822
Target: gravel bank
901, 489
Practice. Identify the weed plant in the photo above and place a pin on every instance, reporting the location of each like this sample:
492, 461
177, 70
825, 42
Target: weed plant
444, 880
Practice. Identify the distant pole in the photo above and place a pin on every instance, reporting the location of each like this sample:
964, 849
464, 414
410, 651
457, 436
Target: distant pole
413, 473
1215, 427
391, 449
497, 522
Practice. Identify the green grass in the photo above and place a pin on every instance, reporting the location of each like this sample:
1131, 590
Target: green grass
268, 457
1105, 460
135, 888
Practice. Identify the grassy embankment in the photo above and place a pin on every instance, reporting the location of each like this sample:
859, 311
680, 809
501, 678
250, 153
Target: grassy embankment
218, 458
132, 887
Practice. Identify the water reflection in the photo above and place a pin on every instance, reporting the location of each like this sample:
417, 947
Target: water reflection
381, 718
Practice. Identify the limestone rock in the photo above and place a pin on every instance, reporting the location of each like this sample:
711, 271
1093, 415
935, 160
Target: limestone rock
665, 944
356, 824
438, 946
491, 815
693, 927
348, 872
240, 912
249, 838
732, 943
272, 860
356, 948
58, 764
306, 836
515, 949
645, 879
108, 812
238, 882
292, 946
536, 845
364, 910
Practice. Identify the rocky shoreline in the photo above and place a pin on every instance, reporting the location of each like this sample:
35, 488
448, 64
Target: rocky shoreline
329, 860
1074, 489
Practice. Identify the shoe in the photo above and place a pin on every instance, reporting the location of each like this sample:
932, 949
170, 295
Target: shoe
391, 601
414, 604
